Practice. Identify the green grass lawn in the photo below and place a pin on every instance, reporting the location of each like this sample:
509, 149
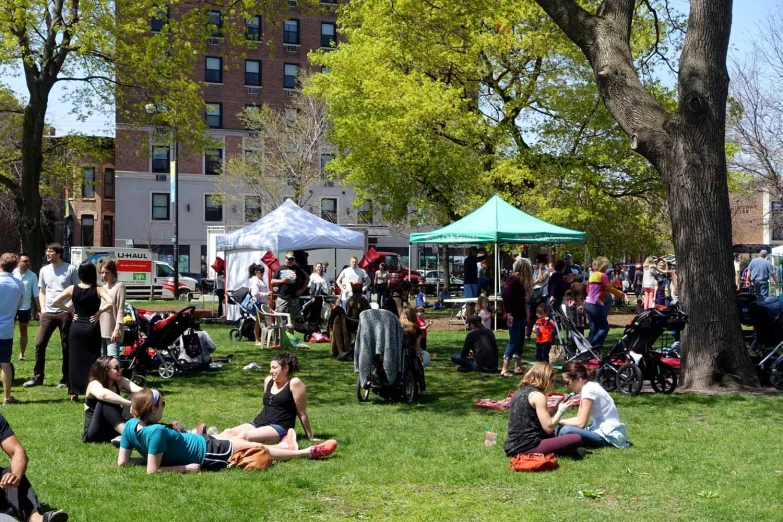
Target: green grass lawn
693, 457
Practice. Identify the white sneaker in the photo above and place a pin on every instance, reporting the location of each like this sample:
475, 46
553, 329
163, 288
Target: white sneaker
252, 366
212, 431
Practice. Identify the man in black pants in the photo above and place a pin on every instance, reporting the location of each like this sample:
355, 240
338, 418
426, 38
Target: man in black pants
480, 350
17, 497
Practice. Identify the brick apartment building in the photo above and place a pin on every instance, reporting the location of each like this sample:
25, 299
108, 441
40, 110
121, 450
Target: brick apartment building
90, 214
232, 82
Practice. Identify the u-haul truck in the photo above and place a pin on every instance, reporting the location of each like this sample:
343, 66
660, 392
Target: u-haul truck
137, 269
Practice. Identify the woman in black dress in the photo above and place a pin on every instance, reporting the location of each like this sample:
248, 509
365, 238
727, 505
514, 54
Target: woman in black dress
88, 302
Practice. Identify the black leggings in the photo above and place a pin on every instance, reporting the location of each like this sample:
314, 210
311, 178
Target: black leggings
99, 427
20, 501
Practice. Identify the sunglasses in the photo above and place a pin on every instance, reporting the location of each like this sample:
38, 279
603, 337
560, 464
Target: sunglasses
290, 259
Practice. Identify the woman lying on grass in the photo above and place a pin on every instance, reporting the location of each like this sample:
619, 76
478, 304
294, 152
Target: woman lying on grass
166, 449
530, 425
596, 406
285, 399
105, 410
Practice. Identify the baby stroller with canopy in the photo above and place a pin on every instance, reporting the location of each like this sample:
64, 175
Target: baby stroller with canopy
382, 358
766, 339
136, 361
575, 345
640, 361
247, 314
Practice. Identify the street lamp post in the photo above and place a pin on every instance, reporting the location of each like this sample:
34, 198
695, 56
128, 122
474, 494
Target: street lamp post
152, 108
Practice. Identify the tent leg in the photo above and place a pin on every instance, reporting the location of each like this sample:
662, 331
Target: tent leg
497, 283
410, 261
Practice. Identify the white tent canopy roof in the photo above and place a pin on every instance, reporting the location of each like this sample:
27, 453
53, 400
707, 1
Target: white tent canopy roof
290, 227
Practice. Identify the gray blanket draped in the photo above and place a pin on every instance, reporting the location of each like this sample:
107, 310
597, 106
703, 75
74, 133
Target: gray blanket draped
380, 333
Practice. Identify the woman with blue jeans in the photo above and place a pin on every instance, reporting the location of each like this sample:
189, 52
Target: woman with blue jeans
518, 286
597, 422
597, 285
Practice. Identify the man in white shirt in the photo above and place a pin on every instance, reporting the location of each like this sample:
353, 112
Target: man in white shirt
26, 312
352, 275
11, 297
53, 279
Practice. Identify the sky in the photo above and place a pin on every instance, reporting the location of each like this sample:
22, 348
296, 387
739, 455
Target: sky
746, 16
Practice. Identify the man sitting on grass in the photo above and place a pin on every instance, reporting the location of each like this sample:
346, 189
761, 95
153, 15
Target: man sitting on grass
480, 350
17, 497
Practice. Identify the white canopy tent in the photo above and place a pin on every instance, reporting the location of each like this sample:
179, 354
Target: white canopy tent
288, 227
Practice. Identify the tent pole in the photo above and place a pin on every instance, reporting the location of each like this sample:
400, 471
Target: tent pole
497, 283
410, 262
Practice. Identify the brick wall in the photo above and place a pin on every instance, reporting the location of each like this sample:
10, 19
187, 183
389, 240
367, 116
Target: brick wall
100, 206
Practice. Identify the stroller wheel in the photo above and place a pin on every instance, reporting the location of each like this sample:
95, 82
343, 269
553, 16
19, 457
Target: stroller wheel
235, 335
607, 378
139, 379
629, 379
409, 389
663, 379
362, 392
776, 378
167, 370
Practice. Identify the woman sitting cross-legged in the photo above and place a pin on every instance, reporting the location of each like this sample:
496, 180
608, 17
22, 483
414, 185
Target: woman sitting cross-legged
105, 410
285, 399
597, 421
166, 449
530, 425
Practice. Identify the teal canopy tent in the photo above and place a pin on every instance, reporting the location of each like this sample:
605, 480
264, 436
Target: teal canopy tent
497, 221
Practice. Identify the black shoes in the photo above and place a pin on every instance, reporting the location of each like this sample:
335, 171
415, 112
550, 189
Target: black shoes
55, 516
33, 382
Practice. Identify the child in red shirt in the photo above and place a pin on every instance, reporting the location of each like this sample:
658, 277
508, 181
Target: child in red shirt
423, 325
543, 329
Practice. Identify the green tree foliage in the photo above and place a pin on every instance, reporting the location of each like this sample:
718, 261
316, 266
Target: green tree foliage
436, 105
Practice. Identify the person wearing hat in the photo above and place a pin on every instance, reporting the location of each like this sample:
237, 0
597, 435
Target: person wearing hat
573, 269
761, 271
479, 351
291, 281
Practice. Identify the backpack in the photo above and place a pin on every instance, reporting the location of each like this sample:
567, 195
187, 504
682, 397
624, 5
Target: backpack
533, 462
250, 459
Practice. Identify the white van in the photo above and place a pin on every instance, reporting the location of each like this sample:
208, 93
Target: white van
137, 269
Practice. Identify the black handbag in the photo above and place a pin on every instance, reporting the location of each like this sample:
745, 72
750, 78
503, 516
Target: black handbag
536, 296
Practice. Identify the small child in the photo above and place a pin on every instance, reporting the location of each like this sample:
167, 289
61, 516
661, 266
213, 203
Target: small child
570, 303
543, 329
639, 307
423, 325
484, 311
421, 298
580, 319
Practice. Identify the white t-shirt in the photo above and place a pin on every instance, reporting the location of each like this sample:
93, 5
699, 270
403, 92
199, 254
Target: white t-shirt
30, 282
54, 281
604, 415
648, 279
350, 276
317, 282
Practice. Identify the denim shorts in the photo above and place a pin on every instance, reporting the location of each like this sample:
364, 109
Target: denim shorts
281, 431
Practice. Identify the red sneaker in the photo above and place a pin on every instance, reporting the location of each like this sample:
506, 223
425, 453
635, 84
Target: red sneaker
177, 426
200, 429
324, 449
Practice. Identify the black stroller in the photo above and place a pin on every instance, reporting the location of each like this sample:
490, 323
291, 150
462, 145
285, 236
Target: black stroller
247, 315
383, 359
766, 339
634, 359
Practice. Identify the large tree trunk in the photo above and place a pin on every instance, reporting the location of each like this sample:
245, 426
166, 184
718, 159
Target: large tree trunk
30, 227
688, 150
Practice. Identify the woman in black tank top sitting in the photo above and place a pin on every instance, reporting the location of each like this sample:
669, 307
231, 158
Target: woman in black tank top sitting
531, 426
105, 410
285, 399
85, 335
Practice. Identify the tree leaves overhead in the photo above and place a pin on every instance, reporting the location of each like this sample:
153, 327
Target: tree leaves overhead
436, 105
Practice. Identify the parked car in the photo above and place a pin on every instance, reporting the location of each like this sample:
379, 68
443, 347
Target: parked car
435, 278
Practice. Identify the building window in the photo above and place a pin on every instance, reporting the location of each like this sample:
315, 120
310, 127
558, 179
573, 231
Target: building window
290, 74
88, 184
215, 115
253, 73
160, 158
252, 209
216, 20
328, 38
158, 21
325, 69
160, 206
213, 211
253, 29
108, 231
214, 70
365, 213
213, 160
88, 230
329, 2
329, 209
291, 3
291, 32
108, 184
